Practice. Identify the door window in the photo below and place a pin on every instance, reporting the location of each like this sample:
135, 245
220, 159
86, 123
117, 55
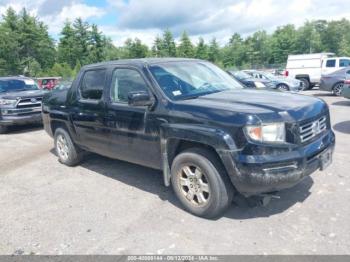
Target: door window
93, 83
125, 81
330, 63
344, 62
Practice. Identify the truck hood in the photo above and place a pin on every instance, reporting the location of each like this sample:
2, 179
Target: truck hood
22, 94
267, 106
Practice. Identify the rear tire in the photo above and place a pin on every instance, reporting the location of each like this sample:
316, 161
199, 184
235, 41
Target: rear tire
306, 84
337, 89
201, 183
3, 129
68, 153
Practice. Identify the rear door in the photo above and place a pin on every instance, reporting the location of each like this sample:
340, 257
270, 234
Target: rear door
89, 112
133, 130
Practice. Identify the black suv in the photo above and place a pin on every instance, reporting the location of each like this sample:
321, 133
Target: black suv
20, 102
192, 120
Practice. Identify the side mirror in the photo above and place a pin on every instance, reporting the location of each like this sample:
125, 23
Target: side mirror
140, 98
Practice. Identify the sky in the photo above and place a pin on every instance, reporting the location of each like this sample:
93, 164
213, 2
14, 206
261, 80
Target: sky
145, 19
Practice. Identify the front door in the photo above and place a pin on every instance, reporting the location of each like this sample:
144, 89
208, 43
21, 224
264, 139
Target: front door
133, 131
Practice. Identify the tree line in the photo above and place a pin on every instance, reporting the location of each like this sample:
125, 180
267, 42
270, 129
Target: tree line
26, 47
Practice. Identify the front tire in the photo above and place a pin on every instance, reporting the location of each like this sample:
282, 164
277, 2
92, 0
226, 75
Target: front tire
200, 183
68, 153
337, 89
3, 129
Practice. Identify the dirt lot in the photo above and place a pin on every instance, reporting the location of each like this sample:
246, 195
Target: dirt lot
105, 206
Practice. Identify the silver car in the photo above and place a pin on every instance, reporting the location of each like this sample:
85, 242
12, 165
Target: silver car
334, 82
282, 83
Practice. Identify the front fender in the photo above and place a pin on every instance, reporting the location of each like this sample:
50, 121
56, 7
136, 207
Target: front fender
216, 138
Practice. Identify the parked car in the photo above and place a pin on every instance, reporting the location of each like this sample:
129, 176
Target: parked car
48, 83
209, 135
346, 88
282, 83
251, 82
20, 102
334, 82
310, 67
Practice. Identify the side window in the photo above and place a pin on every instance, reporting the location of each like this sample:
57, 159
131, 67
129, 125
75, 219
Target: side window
125, 81
330, 63
348, 72
344, 62
93, 83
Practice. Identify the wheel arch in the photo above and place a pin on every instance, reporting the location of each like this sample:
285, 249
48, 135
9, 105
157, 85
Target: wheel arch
306, 76
176, 138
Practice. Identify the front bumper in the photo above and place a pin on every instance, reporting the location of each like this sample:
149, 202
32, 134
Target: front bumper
10, 117
253, 175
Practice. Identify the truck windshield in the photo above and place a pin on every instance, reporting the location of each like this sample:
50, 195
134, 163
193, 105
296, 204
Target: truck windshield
15, 85
187, 80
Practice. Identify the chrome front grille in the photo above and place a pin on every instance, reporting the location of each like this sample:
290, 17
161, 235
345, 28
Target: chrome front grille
312, 129
29, 102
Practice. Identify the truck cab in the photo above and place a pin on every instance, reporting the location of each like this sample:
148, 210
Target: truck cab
211, 137
332, 64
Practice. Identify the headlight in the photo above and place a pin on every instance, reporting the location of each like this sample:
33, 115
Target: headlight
267, 133
8, 102
259, 85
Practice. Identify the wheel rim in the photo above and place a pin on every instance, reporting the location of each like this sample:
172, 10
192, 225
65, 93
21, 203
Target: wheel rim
62, 147
194, 185
283, 88
337, 89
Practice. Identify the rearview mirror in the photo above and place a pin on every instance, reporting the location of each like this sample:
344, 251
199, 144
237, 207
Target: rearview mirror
140, 98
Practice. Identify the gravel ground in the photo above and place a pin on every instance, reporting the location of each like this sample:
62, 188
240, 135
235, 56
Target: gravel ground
106, 206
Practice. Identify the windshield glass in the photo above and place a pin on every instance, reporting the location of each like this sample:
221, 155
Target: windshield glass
241, 75
14, 85
186, 80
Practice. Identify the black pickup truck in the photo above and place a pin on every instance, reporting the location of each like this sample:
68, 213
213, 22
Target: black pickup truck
209, 135
20, 102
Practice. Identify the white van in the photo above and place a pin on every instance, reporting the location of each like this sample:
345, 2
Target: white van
310, 67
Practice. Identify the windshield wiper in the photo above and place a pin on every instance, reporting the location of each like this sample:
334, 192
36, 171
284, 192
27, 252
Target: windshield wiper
190, 97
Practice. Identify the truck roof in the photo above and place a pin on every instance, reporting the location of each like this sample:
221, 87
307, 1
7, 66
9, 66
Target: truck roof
140, 62
310, 56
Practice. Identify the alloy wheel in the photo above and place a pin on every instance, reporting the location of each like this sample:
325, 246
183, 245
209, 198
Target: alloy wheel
194, 185
62, 147
338, 89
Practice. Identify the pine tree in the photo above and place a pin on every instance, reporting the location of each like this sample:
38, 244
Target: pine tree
168, 44
66, 45
201, 50
96, 46
214, 51
81, 40
186, 48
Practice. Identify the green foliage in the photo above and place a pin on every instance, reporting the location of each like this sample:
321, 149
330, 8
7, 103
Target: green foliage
202, 50
168, 47
186, 48
27, 48
214, 51
135, 49
24, 43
